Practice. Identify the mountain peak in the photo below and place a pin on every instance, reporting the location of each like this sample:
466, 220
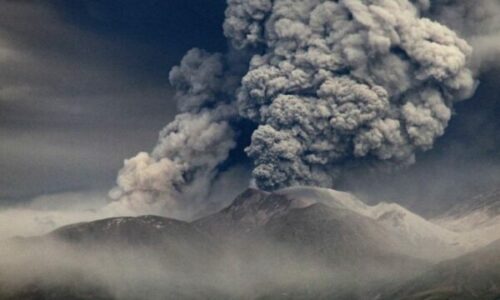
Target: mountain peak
135, 230
251, 209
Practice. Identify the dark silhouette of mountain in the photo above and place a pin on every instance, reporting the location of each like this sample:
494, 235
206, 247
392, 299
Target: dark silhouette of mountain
290, 228
247, 213
132, 232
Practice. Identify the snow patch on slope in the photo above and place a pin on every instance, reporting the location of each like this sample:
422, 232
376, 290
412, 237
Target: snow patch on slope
413, 226
394, 217
332, 198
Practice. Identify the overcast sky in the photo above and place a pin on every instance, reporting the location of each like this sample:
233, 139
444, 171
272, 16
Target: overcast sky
84, 84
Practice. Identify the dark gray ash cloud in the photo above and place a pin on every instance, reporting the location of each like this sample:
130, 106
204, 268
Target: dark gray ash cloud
348, 80
328, 85
323, 86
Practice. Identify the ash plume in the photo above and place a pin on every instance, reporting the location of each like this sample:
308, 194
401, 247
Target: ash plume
478, 21
183, 163
327, 84
344, 80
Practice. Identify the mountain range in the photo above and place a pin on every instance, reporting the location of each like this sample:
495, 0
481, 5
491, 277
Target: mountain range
296, 243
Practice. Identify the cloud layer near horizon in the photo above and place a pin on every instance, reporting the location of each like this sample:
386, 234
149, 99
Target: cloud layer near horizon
80, 90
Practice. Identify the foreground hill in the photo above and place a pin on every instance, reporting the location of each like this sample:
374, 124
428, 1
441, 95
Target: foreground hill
116, 258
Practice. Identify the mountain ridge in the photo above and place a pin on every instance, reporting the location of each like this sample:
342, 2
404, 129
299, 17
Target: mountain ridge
330, 244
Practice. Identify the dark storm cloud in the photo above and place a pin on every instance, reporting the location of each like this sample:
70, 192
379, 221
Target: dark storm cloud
83, 85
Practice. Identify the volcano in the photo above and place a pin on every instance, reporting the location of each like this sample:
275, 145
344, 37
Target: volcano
296, 243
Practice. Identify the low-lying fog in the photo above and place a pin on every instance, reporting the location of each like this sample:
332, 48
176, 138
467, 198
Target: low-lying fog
244, 270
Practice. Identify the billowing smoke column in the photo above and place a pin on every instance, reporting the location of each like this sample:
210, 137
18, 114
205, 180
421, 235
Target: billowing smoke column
183, 163
329, 84
343, 80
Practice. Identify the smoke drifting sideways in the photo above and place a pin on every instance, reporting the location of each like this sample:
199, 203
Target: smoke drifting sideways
184, 163
326, 85
117, 271
46, 213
